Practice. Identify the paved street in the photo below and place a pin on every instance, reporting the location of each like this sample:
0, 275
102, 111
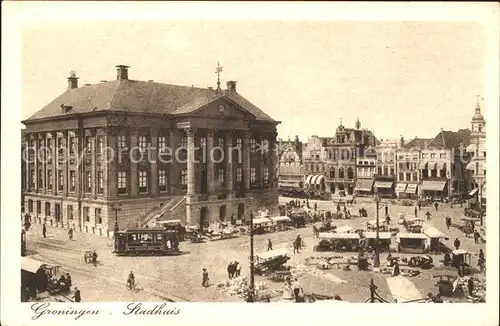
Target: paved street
178, 278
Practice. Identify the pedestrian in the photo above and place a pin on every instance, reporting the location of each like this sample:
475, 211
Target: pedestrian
416, 211
238, 269
476, 236
44, 231
386, 210
395, 268
297, 244
70, 233
94, 258
315, 206
436, 205
470, 285
338, 207
456, 243
298, 291
287, 291
419, 205
388, 219
204, 281
68, 280
269, 245
77, 295
230, 269
428, 214
448, 222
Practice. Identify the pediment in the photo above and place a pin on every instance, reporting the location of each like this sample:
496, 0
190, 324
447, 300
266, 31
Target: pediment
223, 108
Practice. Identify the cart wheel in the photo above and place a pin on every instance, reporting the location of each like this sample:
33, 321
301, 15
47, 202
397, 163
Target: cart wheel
376, 300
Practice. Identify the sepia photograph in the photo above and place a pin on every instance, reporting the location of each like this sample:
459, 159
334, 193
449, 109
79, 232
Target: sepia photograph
254, 161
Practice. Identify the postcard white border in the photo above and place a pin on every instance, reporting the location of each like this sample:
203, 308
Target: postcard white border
19, 15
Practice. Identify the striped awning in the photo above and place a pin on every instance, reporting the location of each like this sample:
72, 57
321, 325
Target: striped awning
383, 184
471, 148
411, 188
308, 179
400, 187
422, 166
364, 185
471, 166
317, 179
440, 165
433, 185
473, 192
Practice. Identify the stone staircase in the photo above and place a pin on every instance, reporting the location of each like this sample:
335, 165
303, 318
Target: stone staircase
169, 208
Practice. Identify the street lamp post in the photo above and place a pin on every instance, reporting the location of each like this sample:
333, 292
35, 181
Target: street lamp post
376, 259
116, 208
251, 292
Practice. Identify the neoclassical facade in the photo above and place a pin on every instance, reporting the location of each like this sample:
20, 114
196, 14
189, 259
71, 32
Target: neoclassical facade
136, 152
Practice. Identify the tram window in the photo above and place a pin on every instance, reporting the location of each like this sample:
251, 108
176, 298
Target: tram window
158, 237
133, 237
146, 237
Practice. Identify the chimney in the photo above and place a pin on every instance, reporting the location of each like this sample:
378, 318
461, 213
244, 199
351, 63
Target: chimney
122, 72
402, 141
72, 80
231, 86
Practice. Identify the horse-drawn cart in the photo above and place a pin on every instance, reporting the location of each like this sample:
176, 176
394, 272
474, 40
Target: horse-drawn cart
271, 261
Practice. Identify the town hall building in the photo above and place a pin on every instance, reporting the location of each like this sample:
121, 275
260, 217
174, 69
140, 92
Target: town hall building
134, 152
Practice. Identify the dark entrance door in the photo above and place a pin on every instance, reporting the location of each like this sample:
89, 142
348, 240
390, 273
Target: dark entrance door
203, 217
241, 211
204, 184
222, 213
58, 213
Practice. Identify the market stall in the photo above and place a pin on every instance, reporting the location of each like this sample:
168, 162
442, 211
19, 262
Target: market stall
413, 243
384, 240
434, 237
281, 223
261, 225
337, 242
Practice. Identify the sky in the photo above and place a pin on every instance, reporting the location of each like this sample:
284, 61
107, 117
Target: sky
398, 78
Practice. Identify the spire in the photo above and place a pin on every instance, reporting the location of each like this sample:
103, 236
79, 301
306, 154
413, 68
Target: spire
478, 107
358, 124
341, 121
218, 70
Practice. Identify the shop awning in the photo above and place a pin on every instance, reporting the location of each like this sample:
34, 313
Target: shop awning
262, 220
381, 235
401, 187
405, 235
432, 166
364, 185
471, 148
473, 192
422, 166
471, 166
308, 179
383, 184
30, 265
440, 165
317, 179
411, 188
435, 233
433, 185
288, 183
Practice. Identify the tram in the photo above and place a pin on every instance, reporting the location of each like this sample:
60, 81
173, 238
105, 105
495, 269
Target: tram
154, 241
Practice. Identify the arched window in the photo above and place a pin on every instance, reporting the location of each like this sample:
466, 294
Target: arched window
350, 173
332, 173
341, 173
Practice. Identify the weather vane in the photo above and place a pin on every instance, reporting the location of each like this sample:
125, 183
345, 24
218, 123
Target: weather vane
218, 70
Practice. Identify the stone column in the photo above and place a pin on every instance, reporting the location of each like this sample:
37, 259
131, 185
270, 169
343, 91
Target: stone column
190, 173
229, 164
133, 163
93, 162
272, 161
174, 170
107, 163
26, 159
210, 165
34, 149
246, 161
152, 155
65, 163
54, 165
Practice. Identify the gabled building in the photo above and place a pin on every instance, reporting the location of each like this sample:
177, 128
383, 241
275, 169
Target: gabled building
408, 160
133, 152
385, 178
291, 179
443, 165
477, 151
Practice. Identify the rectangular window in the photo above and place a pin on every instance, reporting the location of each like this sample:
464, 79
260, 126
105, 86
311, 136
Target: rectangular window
252, 145
379, 170
98, 216
122, 183
265, 146
162, 144
100, 182
442, 155
401, 175
386, 170
266, 175
88, 182
184, 177
72, 181
38, 207
220, 175
49, 150
86, 215
143, 181
70, 212
72, 145
60, 180
220, 142
100, 144
162, 180
49, 179
143, 143
88, 144
184, 142
391, 171
415, 176
433, 155
40, 179
252, 176
47, 209
238, 142
122, 143
238, 175
408, 176
30, 206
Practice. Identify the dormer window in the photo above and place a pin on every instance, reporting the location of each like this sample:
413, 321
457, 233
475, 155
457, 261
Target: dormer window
66, 108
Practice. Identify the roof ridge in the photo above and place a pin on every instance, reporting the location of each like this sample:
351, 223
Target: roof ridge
113, 96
